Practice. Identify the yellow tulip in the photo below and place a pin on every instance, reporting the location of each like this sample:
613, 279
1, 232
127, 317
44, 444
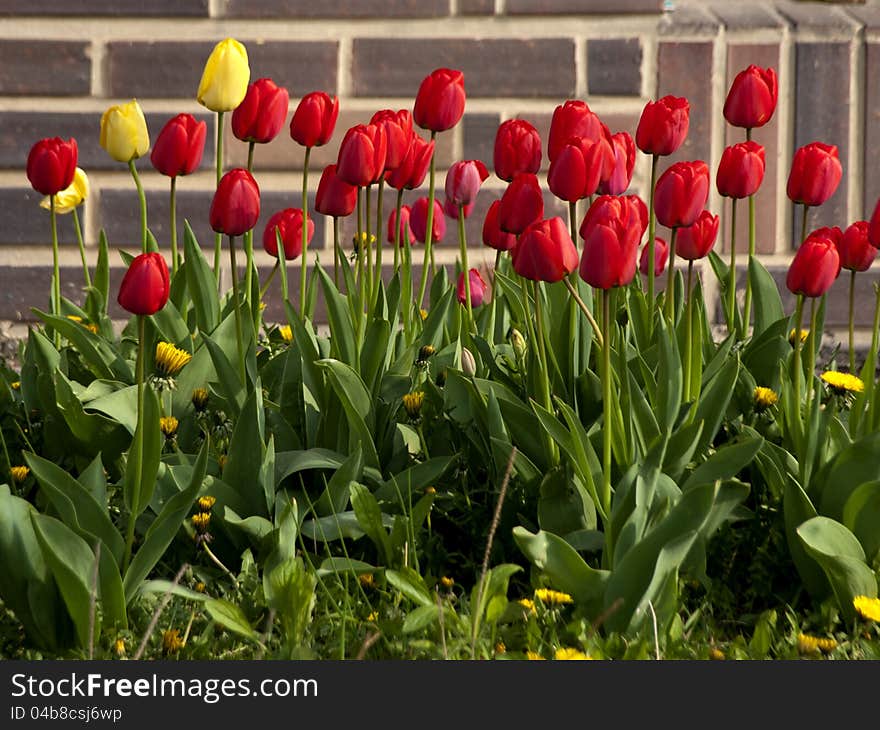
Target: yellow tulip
225, 78
124, 132
72, 196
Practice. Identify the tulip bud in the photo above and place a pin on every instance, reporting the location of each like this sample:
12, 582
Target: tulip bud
124, 132
521, 204
225, 77
663, 125
752, 97
624, 151
362, 153
578, 167
72, 196
235, 207
288, 223
681, 193
855, 250
741, 170
450, 208
468, 364
398, 134
478, 288
411, 171
463, 181
146, 284
517, 149
418, 220
493, 236
439, 103
517, 342
51, 164
661, 256
262, 112
612, 229
696, 240
572, 119
815, 265
179, 146
406, 236
545, 251
334, 196
314, 120
815, 174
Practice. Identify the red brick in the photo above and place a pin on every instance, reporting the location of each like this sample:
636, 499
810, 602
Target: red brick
676, 64
30, 223
579, 7
44, 68
614, 66
479, 132
120, 8
872, 127
29, 286
337, 9
476, 7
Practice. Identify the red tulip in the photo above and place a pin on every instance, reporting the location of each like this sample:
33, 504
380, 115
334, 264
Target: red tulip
624, 150
681, 193
815, 265
751, 100
418, 220
545, 251
362, 155
261, 114
663, 125
521, 204
517, 149
398, 134
815, 174
179, 147
335, 197
51, 164
236, 204
478, 288
410, 173
874, 226
314, 120
855, 250
741, 170
440, 100
572, 119
612, 230
661, 256
696, 240
577, 169
146, 284
493, 236
450, 209
406, 236
463, 181
289, 224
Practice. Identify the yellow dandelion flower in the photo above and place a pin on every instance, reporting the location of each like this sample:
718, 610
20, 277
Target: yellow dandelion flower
200, 587
553, 598
199, 398
201, 521
764, 398
93, 328
423, 313
206, 502
425, 352
534, 656
500, 648
286, 333
171, 641
373, 617
367, 580
868, 608
169, 425
716, 654
19, 473
15, 385
447, 582
843, 382
565, 653
170, 359
430, 490
413, 403
808, 644
74, 318
826, 645
528, 604
804, 335
119, 647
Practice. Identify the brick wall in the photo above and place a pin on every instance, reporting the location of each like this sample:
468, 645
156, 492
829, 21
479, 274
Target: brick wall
62, 64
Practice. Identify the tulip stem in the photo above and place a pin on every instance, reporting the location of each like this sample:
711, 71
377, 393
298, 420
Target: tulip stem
490, 329
249, 252
377, 274
747, 304
852, 314
282, 267
82, 248
359, 243
305, 235
689, 337
265, 287
796, 375
731, 280
572, 219
553, 451
172, 206
139, 433
809, 385
429, 229
597, 330
462, 243
670, 277
337, 253
651, 229
804, 223
236, 305
605, 495
218, 237
143, 202
368, 267
56, 271
406, 275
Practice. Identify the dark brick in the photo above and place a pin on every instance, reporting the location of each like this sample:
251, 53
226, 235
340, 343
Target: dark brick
174, 68
837, 301
476, 7
539, 67
19, 130
689, 19
50, 68
121, 8
676, 64
822, 106
479, 137
872, 127
29, 286
816, 16
29, 224
119, 216
337, 9
746, 15
614, 66
739, 56
579, 7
